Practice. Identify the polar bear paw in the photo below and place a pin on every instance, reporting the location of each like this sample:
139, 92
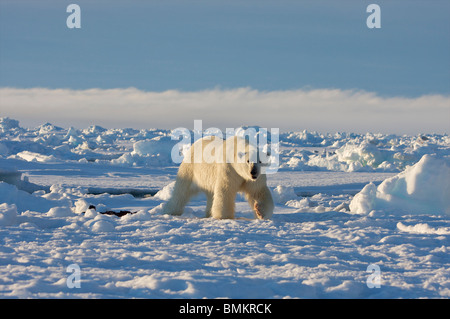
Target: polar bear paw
258, 211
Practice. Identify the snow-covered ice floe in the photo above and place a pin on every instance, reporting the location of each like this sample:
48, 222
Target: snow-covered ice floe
323, 240
423, 188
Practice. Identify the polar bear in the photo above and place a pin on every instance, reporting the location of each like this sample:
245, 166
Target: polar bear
222, 168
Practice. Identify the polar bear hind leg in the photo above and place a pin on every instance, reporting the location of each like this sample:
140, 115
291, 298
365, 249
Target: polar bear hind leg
183, 189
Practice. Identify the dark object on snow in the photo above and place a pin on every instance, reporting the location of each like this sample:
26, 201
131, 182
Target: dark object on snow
110, 212
118, 214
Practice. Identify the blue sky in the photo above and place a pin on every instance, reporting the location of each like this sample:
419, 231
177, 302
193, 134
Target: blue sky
201, 45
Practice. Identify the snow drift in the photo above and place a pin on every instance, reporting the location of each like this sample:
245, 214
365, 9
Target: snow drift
423, 188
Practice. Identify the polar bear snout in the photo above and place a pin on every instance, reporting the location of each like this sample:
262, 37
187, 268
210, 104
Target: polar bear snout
254, 171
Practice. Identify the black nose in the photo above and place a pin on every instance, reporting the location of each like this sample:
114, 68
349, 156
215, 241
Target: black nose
254, 173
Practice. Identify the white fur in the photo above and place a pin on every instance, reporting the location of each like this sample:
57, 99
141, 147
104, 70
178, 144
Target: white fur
221, 169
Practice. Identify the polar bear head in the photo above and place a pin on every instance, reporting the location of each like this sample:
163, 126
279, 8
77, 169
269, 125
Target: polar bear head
248, 168
245, 158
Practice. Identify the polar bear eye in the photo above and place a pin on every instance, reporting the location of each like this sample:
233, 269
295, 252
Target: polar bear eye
248, 161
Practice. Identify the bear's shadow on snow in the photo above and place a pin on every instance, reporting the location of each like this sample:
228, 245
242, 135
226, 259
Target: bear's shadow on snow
302, 217
295, 217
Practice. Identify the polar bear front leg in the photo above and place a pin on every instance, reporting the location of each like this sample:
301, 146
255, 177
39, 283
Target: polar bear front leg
209, 201
223, 202
258, 211
262, 203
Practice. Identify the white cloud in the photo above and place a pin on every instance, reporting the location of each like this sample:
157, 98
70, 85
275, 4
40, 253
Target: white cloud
324, 110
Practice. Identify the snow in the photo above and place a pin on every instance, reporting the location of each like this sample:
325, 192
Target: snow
8, 214
423, 229
166, 192
60, 212
423, 188
281, 194
344, 203
31, 156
